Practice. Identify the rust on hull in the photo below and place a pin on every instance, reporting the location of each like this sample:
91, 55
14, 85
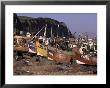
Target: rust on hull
77, 56
60, 56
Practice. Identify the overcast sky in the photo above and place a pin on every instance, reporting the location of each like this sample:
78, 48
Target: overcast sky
76, 22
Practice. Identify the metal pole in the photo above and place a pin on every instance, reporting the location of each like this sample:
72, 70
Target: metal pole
38, 32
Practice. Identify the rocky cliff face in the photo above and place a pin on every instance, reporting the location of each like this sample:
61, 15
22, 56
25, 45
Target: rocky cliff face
33, 25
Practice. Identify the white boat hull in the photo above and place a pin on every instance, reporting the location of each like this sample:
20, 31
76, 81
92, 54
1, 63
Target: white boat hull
79, 62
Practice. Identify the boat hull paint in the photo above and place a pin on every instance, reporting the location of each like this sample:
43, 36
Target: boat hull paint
77, 55
61, 57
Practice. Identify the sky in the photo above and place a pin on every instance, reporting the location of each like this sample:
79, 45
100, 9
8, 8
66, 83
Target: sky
76, 22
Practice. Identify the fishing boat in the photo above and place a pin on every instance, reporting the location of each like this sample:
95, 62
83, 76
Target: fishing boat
59, 55
20, 43
81, 60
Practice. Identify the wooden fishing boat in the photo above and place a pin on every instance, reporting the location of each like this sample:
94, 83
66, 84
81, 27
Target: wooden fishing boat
20, 43
59, 56
64, 56
80, 60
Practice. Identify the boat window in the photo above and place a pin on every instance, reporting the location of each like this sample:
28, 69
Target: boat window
40, 41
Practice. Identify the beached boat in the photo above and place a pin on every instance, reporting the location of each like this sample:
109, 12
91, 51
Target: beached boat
62, 56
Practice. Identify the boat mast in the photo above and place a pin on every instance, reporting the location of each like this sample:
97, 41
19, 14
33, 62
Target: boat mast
51, 31
86, 37
37, 33
45, 30
57, 30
